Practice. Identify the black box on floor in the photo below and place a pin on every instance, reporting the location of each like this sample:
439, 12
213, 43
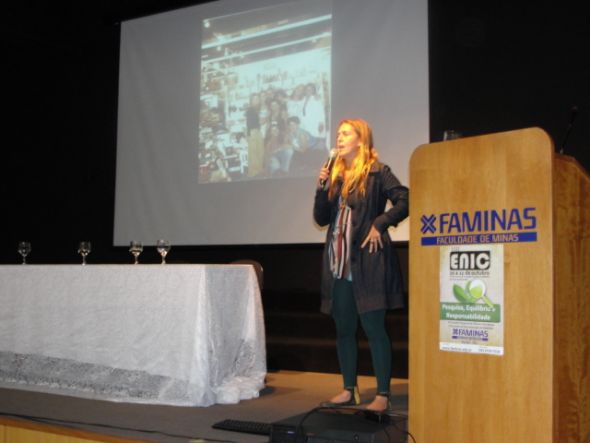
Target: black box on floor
337, 426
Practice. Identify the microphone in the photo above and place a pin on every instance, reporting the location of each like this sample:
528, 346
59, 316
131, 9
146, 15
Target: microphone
573, 115
330, 163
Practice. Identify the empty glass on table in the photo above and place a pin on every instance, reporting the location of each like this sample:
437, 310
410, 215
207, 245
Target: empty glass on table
24, 249
84, 249
163, 247
135, 248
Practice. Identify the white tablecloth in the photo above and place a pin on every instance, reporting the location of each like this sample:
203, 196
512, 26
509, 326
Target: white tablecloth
163, 334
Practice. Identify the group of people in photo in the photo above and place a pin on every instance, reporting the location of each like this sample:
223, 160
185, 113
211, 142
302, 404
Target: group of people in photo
286, 133
283, 133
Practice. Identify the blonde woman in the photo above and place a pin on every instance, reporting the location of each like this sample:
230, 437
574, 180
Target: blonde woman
360, 274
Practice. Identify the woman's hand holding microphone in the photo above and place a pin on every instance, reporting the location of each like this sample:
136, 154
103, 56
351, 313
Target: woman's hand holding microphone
327, 168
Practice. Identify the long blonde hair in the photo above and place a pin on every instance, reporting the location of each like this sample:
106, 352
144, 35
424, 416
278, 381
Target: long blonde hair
361, 165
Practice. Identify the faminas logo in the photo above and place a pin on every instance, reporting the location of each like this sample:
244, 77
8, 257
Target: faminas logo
480, 221
504, 225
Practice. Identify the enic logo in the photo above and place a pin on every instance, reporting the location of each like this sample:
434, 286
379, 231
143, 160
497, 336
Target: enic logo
470, 260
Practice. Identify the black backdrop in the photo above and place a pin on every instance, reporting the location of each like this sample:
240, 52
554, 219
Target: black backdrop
494, 66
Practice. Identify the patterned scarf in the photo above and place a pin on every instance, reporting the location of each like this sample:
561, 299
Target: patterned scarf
339, 249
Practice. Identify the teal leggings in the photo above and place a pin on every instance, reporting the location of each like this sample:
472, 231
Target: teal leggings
345, 316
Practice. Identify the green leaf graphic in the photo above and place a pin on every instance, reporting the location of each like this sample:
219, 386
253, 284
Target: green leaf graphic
461, 295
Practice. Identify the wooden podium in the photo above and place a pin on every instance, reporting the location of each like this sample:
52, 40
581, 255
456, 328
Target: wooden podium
520, 217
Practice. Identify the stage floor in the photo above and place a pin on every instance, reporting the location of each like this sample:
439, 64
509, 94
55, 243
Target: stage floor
287, 394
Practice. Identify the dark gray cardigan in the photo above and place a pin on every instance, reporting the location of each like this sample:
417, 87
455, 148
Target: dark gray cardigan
376, 277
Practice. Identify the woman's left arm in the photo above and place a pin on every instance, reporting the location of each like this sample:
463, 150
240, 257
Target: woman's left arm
399, 197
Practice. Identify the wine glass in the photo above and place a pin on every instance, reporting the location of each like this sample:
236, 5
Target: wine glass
163, 247
135, 248
451, 134
24, 248
84, 249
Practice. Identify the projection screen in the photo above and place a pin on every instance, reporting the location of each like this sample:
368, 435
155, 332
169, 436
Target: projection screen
227, 110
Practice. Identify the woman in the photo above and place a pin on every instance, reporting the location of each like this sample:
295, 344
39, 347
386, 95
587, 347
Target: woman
255, 138
360, 275
313, 118
278, 155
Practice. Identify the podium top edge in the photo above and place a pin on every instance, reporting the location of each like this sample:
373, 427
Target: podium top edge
536, 133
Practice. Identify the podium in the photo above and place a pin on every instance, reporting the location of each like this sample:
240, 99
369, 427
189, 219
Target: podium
499, 292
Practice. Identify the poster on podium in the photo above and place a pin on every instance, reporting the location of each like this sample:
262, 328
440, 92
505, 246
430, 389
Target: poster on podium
472, 299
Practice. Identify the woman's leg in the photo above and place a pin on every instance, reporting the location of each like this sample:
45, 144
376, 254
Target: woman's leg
345, 317
374, 325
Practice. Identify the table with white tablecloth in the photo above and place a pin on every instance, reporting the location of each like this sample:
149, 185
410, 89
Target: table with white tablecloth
188, 335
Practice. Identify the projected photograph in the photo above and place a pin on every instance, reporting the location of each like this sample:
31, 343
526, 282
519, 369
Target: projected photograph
265, 93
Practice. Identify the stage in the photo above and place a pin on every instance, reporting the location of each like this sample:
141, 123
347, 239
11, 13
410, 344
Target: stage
287, 394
